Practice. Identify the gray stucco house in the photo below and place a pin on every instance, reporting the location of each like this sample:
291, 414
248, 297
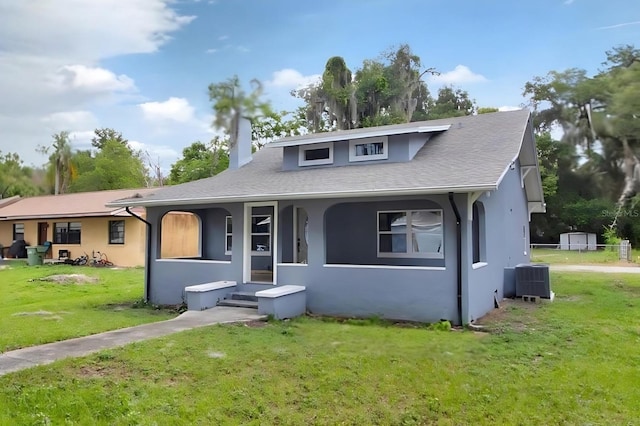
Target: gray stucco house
415, 221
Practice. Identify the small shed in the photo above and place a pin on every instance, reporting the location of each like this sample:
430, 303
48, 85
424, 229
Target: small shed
578, 241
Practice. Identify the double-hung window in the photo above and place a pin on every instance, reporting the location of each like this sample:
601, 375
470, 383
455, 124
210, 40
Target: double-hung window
18, 231
116, 232
228, 233
67, 232
410, 233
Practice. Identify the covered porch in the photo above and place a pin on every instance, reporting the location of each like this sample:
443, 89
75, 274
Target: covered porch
392, 257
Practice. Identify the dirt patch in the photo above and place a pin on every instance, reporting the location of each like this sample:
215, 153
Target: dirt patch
255, 324
5, 266
34, 313
513, 314
69, 279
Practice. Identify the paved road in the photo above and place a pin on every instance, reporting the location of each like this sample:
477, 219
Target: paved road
45, 354
597, 268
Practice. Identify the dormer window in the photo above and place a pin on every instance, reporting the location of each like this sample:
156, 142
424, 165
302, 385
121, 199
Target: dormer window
315, 154
369, 149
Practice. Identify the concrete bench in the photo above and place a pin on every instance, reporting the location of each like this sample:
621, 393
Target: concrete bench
207, 295
287, 301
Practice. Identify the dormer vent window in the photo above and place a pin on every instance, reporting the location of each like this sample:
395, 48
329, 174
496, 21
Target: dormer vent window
316, 154
369, 149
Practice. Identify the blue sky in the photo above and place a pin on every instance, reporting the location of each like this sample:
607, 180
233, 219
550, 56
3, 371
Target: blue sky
142, 67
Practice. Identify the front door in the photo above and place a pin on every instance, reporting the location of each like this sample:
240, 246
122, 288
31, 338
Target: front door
42, 236
260, 242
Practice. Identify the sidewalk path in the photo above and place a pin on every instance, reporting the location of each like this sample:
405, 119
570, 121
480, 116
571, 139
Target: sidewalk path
597, 268
81, 346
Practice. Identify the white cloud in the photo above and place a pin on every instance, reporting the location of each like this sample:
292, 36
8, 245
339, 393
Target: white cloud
175, 109
291, 79
50, 54
568, 2
223, 37
67, 119
461, 74
212, 50
85, 30
92, 79
624, 24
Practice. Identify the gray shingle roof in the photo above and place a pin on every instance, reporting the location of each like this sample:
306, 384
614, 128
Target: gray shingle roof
472, 155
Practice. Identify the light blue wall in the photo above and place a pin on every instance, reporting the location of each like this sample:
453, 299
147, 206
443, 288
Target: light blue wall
400, 293
507, 244
402, 148
424, 291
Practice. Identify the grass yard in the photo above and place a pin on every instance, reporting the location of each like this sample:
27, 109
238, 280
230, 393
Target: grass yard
572, 257
573, 361
33, 312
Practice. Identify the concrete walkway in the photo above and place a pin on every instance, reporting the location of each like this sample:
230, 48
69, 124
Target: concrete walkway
45, 354
597, 268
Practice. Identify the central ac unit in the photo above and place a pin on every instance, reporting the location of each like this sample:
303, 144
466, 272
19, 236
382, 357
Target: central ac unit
533, 280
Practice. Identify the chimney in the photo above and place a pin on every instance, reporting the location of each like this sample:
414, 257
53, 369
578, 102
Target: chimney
240, 153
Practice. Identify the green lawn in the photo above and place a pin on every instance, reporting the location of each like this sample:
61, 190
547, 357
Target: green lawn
33, 312
573, 361
572, 257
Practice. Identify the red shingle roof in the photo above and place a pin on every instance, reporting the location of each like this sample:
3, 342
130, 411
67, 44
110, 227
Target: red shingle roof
81, 204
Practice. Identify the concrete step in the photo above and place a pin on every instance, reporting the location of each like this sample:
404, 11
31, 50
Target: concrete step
239, 303
243, 295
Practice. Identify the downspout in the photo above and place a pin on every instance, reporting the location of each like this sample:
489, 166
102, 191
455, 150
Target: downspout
147, 275
459, 253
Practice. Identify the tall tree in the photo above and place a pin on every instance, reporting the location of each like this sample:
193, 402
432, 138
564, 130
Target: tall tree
113, 165
385, 90
200, 161
107, 134
231, 103
15, 177
60, 165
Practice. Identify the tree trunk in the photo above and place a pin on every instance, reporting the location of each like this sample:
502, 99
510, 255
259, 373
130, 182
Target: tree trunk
631, 174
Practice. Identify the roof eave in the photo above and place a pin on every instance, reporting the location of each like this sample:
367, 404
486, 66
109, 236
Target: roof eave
56, 216
340, 136
308, 195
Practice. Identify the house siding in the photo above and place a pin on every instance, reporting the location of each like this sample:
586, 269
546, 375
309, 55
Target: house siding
402, 148
506, 220
94, 238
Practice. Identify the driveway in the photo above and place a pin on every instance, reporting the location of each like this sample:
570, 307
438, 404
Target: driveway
597, 268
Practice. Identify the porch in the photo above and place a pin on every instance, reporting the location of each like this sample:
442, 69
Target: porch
391, 258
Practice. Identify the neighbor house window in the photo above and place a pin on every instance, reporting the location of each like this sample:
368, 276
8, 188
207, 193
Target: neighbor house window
67, 232
410, 233
18, 231
369, 149
228, 235
315, 154
116, 232
261, 234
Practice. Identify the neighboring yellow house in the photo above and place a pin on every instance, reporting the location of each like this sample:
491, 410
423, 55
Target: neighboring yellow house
78, 223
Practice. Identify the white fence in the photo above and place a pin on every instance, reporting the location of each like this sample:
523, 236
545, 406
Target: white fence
601, 253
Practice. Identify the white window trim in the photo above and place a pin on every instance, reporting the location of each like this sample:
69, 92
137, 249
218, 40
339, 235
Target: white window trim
408, 236
227, 234
270, 234
355, 142
302, 149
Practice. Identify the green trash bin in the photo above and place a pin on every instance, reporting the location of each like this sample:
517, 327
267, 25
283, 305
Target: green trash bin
34, 256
